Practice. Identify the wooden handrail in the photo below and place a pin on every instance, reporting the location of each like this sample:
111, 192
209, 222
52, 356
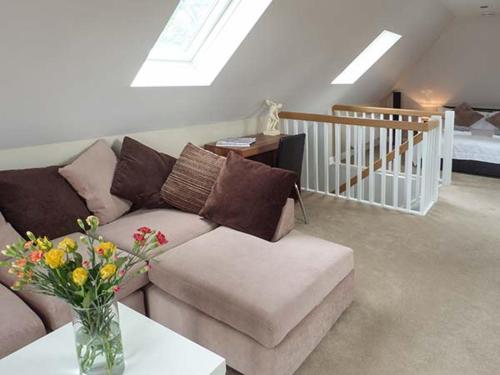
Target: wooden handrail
378, 164
425, 126
384, 110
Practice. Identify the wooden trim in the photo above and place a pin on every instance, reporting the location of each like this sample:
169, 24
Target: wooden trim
378, 164
384, 110
425, 126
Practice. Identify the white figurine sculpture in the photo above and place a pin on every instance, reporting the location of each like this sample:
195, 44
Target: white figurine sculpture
273, 120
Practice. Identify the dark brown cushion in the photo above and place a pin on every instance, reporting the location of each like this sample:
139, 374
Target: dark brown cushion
192, 178
140, 174
249, 196
40, 200
495, 120
465, 116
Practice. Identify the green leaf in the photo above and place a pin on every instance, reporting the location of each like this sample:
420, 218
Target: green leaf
87, 300
120, 261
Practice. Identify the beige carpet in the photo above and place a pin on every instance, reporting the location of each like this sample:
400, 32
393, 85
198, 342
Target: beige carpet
427, 298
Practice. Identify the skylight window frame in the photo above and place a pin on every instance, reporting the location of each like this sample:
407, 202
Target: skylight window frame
367, 58
213, 55
205, 32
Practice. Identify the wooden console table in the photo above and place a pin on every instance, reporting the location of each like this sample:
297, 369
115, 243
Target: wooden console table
263, 150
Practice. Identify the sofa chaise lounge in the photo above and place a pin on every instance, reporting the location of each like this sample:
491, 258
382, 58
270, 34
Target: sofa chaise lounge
262, 305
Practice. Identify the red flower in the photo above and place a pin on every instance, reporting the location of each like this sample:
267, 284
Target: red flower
36, 256
160, 237
145, 230
116, 288
139, 237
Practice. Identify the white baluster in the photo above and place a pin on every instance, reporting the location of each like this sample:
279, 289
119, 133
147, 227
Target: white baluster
391, 117
348, 160
423, 191
316, 161
383, 152
338, 152
371, 177
326, 157
409, 169
305, 129
395, 170
286, 127
360, 130
449, 123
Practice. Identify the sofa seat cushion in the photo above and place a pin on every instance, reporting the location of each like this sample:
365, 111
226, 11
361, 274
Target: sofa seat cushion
55, 312
178, 226
260, 288
19, 325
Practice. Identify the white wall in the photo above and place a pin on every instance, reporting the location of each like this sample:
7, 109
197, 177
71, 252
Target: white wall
66, 66
170, 141
463, 65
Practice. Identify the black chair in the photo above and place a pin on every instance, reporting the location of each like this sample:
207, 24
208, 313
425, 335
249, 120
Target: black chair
289, 157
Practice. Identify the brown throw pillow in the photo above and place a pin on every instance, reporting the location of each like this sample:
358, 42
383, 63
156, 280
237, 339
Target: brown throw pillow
40, 200
465, 116
192, 178
249, 196
140, 173
91, 175
495, 120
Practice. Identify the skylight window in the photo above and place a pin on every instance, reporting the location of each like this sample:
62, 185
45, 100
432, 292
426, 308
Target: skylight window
198, 41
367, 58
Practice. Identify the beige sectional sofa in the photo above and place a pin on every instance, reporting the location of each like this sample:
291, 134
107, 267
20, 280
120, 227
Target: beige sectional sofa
264, 306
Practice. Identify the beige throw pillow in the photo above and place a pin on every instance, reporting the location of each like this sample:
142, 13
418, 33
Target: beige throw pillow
8, 235
91, 175
192, 178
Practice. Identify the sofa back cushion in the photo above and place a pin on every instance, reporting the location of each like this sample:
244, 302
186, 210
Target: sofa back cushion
140, 175
192, 178
41, 201
91, 175
249, 196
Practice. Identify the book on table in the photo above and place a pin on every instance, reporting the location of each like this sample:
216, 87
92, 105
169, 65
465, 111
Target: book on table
236, 142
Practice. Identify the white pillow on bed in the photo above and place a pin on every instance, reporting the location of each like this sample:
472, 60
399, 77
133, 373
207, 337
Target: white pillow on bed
483, 128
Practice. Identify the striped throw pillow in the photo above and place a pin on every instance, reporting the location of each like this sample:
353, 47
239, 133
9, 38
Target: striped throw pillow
192, 178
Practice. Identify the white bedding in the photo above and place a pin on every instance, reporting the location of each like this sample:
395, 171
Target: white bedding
471, 147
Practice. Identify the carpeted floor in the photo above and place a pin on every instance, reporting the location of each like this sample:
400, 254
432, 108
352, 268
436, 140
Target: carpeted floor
427, 295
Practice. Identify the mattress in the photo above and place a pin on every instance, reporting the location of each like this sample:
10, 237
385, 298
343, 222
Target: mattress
472, 147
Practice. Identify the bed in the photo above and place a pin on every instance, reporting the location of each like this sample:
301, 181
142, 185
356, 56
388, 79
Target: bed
476, 154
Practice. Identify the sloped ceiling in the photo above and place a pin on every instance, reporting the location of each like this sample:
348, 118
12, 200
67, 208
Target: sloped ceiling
470, 8
66, 65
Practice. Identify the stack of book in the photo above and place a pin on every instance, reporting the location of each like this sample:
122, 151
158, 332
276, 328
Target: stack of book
236, 142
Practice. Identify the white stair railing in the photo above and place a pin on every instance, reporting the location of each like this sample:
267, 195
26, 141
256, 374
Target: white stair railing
371, 159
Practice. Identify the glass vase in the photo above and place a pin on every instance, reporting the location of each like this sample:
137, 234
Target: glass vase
98, 340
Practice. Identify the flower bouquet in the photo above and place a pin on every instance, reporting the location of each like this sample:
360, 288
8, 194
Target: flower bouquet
88, 281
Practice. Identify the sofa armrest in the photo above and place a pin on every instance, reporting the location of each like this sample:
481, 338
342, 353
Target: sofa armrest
287, 220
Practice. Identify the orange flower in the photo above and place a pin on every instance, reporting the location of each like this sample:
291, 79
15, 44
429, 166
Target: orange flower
36, 256
20, 263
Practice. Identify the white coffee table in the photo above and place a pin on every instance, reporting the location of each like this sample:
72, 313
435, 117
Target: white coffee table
150, 349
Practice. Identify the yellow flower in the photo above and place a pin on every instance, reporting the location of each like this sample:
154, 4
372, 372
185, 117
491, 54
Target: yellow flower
80, 276
69, 245
55, 258
44, 244
106, 249
107, 271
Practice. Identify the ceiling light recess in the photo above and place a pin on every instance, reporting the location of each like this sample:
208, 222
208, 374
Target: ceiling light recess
198, 41
367, 58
